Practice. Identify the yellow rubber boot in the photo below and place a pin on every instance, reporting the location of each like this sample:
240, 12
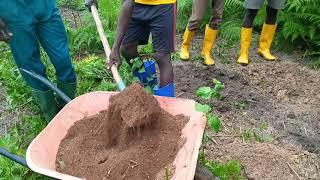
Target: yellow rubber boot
266, 39
246, 34
208, 41
187, 37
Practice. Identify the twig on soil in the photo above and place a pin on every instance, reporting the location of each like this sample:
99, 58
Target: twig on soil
180, 94
294, 171
222, 136
148, 177
224, 127
284, 125
109, 171
125, 174
214, 141
135, 164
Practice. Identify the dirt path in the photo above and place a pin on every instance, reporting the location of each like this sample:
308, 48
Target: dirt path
283, 94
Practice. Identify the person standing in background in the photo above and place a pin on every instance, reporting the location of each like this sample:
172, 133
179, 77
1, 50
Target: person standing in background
268, 29
198, 9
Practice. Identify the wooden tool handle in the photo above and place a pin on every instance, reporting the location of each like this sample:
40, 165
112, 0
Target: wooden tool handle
106, 47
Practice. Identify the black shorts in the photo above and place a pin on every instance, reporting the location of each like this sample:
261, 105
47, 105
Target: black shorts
159, 20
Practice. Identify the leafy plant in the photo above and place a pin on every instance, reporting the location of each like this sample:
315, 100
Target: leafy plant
207, 93
224, 171
257, 134
214, 123
242, 105
205, 108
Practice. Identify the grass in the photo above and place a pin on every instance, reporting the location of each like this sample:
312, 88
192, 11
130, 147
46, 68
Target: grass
224, 171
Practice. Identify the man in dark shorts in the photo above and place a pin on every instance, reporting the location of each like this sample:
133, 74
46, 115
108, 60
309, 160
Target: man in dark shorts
139, 18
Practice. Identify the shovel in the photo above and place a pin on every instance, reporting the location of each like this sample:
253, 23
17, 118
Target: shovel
106, 47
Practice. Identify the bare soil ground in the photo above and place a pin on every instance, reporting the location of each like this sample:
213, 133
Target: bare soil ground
7, 117
283, 94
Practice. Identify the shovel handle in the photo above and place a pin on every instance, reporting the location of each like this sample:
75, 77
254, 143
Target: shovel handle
106, 47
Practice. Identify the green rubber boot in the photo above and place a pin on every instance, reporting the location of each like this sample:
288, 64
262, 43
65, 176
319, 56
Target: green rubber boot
46, 102
69, 89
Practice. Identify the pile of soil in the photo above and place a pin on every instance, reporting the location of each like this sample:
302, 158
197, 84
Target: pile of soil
134, 139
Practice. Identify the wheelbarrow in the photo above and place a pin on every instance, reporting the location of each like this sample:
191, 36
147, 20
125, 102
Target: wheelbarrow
41, 153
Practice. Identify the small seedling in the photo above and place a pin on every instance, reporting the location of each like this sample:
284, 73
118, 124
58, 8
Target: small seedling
203, 108
207, 93
242, 105
214, 122
257, 134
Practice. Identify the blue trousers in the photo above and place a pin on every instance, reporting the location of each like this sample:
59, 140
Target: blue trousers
45, 28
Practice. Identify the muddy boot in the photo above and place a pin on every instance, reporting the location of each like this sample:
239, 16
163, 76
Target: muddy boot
149, 76
203, 173
208, 41
187, 37
266, 39
69, 89
167, 91
46, 102
246, 35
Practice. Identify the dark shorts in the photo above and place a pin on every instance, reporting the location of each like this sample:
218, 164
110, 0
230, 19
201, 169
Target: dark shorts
159, 20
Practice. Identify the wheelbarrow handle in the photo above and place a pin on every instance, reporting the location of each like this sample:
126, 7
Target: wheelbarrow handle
106, 46
18, 159
45, 81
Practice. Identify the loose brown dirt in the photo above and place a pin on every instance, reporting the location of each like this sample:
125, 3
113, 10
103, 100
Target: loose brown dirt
283, 94
133, 139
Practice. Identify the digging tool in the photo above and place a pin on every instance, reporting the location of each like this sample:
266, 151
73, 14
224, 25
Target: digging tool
106, 47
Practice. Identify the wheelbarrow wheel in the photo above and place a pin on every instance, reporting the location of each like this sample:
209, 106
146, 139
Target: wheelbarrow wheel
203, 173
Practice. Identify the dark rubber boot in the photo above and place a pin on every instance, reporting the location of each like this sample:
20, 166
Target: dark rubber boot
69, 89
46, 102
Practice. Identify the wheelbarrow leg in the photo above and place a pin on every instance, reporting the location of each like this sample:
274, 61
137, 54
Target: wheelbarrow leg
15, 158
203, 173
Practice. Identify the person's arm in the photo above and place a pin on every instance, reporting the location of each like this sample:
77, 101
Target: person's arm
5, 35
123, 22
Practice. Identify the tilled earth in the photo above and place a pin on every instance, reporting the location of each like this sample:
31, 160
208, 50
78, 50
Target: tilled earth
284, 94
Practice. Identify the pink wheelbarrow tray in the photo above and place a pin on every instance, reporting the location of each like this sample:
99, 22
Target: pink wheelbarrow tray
41, 154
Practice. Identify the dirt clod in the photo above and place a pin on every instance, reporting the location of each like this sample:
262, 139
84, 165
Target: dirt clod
134, 139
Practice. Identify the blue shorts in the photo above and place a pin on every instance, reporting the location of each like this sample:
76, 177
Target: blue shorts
159, 20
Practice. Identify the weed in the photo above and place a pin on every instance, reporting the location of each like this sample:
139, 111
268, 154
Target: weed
257, 134
242, 105
225, 171
214, 122
207, 93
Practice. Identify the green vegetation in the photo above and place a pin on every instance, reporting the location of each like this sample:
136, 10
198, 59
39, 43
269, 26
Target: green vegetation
298, 25
258, 134
207, 93
225, 171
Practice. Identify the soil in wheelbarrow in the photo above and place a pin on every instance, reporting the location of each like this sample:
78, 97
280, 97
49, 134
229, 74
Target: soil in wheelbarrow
133, 139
